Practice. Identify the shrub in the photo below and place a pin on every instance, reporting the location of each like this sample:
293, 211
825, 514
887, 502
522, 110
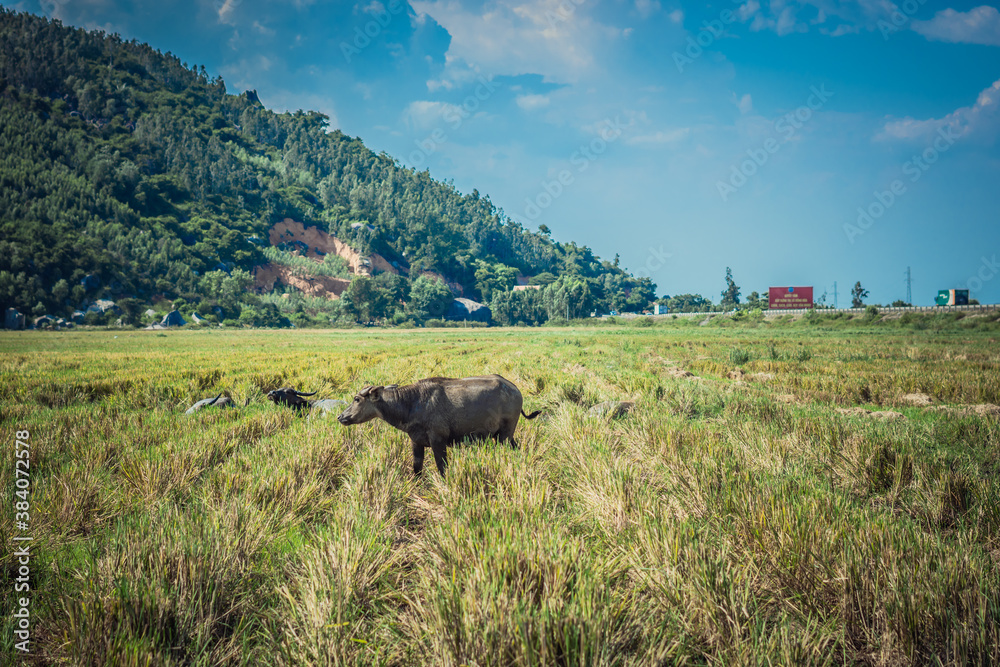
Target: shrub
739, 356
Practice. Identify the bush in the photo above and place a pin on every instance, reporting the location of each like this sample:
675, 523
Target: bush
739, 356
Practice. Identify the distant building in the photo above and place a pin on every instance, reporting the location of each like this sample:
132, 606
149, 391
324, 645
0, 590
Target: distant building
660, 310
519, 288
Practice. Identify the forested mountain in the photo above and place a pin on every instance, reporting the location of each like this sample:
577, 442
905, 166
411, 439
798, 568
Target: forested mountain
125, 173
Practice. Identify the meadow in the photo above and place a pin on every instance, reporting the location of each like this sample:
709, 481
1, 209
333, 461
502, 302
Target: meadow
735, 516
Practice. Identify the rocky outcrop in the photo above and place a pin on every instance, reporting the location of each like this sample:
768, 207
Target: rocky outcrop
468, 310
90, 282
102, 306
173, 319
13, 319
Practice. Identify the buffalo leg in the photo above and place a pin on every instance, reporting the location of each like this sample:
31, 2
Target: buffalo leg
440, 448
418, 458
507, 433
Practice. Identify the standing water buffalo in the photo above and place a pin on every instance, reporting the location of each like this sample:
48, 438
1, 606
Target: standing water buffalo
437, 412
290, 397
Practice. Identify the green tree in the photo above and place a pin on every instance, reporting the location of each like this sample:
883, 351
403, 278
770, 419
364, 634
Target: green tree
688, 303
60, 291
491, 277
642, 294
858, 295
543, 278
754, 300
730, 295
520, 307
365, 301
569, 297
430, 298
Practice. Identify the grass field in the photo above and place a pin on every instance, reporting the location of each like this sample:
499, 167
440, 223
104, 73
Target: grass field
729, 519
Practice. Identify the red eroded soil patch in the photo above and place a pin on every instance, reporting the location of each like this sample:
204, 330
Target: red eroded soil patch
315, 239
264, 278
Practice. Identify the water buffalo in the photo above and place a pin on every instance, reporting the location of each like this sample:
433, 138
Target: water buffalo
437, 412
290, 397
219, 401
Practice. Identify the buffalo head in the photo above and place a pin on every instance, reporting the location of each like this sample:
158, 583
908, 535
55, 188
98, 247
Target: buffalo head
289, 396
366, 406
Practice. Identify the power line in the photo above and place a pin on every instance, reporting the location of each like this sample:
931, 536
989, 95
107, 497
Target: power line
909, 282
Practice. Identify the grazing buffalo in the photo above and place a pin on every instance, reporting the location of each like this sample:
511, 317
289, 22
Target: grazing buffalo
290, 397
437, 412
219, 401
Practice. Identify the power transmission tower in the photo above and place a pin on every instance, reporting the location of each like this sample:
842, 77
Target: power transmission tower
835, 295
909, 282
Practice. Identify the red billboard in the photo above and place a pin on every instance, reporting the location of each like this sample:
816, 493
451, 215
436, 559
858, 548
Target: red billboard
779, 298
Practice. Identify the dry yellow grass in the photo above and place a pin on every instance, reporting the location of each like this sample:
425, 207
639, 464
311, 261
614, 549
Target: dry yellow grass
714, 523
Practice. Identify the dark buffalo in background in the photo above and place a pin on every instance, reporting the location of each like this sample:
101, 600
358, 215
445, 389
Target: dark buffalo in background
290, 397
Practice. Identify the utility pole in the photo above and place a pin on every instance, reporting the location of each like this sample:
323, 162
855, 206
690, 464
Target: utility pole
909, 282
835, 295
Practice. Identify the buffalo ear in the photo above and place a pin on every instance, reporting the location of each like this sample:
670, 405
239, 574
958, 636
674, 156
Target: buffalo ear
376, 393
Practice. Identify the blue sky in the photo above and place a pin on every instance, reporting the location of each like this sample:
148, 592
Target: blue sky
798, 142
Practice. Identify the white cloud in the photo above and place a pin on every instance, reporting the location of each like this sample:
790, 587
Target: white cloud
981, 119
976, 26
424, 114
647, 8
676, 16
226, 11
374, 7
262, 29
830, 17
532, 102
554, 38
744, 104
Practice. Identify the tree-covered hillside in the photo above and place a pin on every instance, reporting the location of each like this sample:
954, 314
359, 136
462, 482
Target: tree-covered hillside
127, 174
